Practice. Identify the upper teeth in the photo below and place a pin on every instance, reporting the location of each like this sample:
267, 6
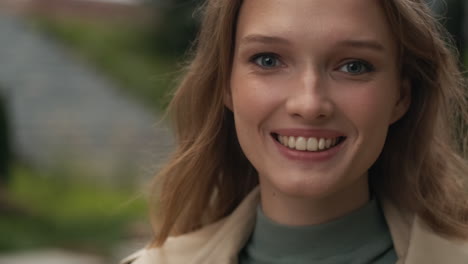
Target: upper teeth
309, 144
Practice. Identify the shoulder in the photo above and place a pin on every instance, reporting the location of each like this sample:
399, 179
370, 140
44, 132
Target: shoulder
215, 242
428, 245
415, 242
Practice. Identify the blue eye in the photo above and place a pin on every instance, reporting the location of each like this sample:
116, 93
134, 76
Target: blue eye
266, 60
356, 67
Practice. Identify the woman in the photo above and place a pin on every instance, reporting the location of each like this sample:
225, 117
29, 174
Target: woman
347, 114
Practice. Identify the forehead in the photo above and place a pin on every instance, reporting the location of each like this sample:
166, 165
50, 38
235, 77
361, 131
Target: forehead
307, 21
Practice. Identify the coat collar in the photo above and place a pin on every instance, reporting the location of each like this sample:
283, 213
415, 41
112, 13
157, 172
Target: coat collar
220, 242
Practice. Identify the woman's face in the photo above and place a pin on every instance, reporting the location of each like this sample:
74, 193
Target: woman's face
314, 88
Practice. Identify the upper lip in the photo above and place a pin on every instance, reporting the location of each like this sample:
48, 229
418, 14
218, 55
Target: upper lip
317, 133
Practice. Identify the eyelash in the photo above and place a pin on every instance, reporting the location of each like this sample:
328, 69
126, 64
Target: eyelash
255, 57
367, 66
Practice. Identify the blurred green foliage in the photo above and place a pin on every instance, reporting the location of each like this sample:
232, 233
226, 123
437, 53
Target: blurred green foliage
65, 211
176, 25
123, 51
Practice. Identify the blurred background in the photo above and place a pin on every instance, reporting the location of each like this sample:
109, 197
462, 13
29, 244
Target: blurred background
83, 87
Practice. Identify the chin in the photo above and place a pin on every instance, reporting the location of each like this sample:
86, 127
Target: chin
316, 185
306, 186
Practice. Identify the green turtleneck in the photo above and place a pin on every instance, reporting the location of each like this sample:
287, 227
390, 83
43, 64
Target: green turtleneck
359, 237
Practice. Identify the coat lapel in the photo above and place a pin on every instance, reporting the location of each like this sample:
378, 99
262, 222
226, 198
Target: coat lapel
429, 248
415, 243
224, 245
399, 224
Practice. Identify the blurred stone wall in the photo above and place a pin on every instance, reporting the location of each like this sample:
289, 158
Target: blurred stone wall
95, 9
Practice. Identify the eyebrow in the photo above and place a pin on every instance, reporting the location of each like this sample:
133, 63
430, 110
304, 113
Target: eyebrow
353, 43
263, 39
362, 44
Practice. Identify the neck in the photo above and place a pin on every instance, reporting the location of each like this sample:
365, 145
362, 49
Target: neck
292, 210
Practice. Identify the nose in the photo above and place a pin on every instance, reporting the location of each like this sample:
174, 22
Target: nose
309, 99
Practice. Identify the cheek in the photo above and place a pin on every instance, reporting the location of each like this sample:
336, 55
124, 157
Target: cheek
369, 113
253, 99
247, 107
369, 106
254, 104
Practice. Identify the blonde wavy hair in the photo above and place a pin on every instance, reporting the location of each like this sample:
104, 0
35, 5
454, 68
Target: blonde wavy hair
421, 168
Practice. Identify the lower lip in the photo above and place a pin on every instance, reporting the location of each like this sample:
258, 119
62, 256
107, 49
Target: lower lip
310, 156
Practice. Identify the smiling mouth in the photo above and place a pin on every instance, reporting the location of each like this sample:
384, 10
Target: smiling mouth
308, 144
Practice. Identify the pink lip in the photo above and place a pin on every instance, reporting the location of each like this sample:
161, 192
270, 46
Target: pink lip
308, 156
317, 133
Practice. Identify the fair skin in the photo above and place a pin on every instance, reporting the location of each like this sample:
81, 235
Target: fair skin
314, 87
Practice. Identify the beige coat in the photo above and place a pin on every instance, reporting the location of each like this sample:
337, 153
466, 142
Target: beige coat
220, 242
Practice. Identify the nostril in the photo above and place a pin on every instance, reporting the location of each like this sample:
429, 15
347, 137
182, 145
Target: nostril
310, 109
322, 116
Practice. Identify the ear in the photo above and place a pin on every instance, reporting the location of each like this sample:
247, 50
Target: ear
228, 98
403, 102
